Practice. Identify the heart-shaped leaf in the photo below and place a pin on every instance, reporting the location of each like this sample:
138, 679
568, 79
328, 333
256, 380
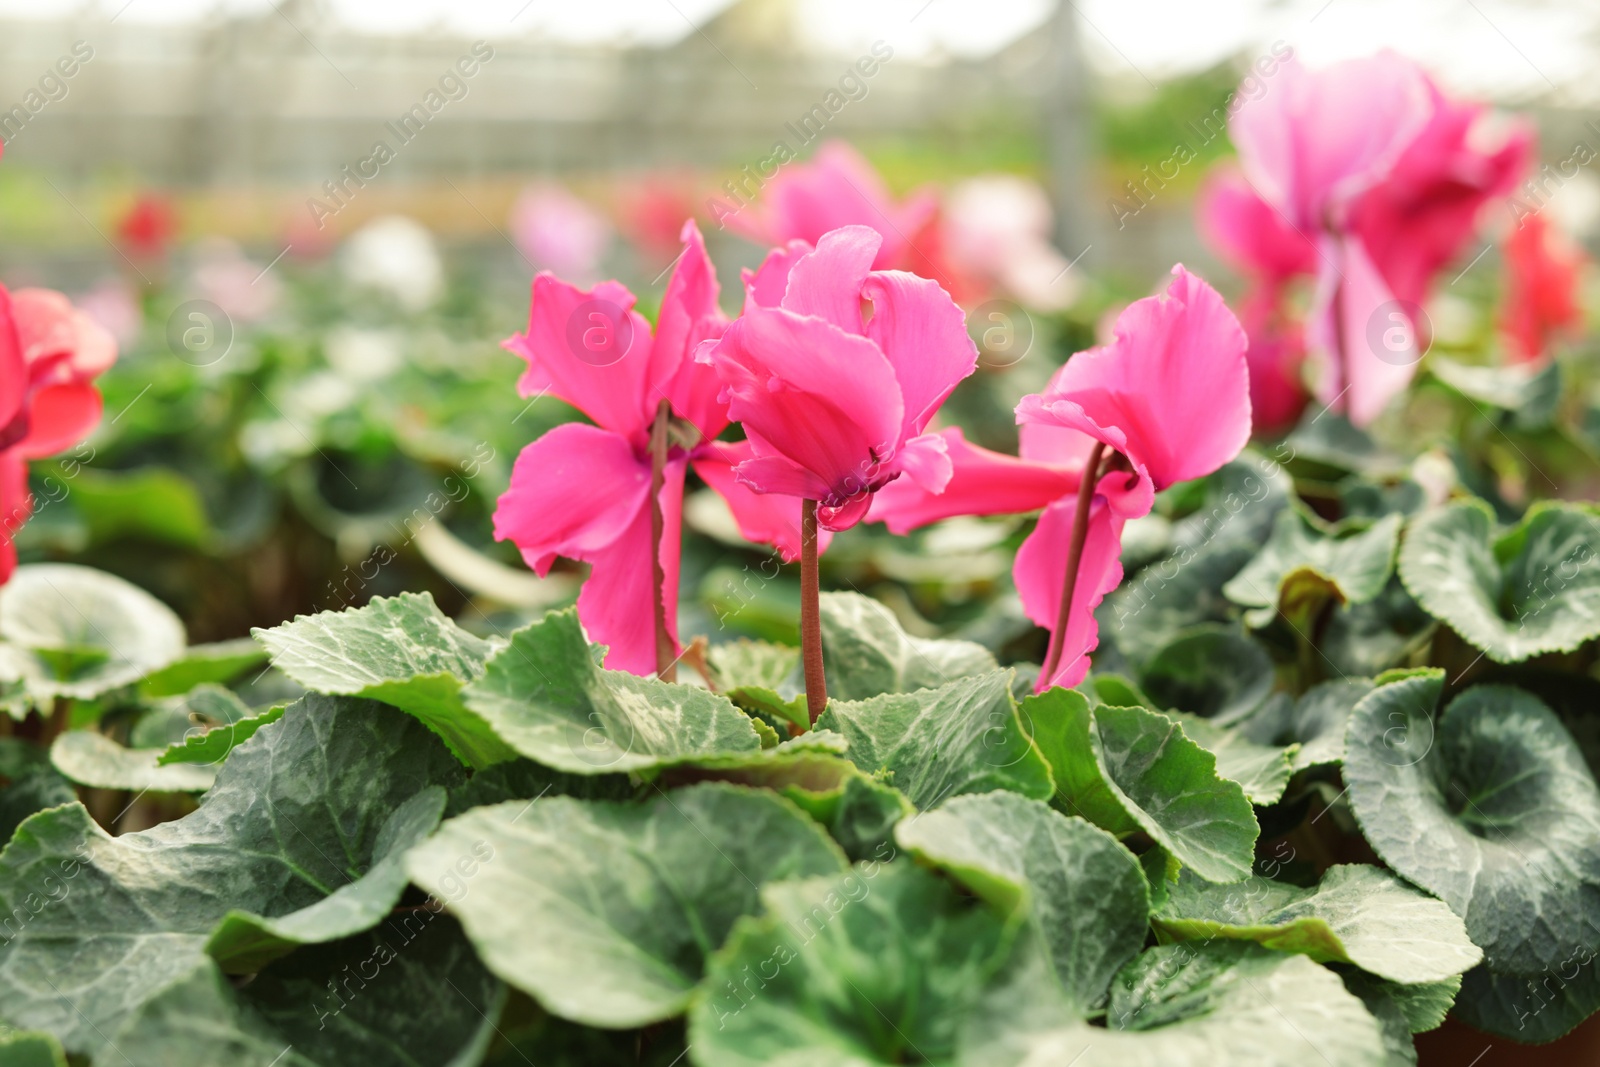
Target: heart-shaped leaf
1533, 589
93, 759
295, 818
77, 632
549, 700
1352, 564
1212, 672
1084, 893
866, 652
1496, 813
876, 966
963, 737
1356, 914
1128, 769
617, 905
1315, 722
400, 650
1180, 1006
1534, 1009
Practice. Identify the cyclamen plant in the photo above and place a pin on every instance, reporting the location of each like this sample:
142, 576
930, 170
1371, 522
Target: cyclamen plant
1304, 772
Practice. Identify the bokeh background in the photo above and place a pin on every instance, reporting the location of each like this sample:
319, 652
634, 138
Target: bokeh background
312, 407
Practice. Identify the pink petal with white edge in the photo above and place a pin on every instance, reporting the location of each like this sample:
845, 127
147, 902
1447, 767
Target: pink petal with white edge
924, 335
615, 605
573, 493
591, 349
981, 482
763, 518
690, 315
1174, 384
1041, 570
823, 398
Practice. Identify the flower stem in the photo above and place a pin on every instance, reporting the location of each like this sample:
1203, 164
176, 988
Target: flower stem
811, 612
1080, 534
666, 659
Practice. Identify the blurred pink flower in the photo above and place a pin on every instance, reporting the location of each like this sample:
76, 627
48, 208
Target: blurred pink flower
49, 354
650, 213
558, 232
1366, 175
242, 288
115, 305
834, 402
995, 230
836, 188
583, 492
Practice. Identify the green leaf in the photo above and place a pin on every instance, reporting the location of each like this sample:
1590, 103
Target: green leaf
1356, 914
523, 779
1183, 589
97, 924
1262, 770
244, 943
77, 632
1316, 722
219, 663
1084, 892
877, 966
1127, 769
410, 993
1497, 814
1535, 1009
617, 906
31, 784
1215, 673
152, 503
30, 1048
400, 650
212, 746
867, 653
761, 678
746, 662
1530, 394
93, 759
1532, 590
549, 700
1421, 1007
1183, 1006
963, 737
1364, 640
858, 811
1351, 563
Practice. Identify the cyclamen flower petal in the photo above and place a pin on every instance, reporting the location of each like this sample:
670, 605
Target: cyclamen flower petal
1379, 340
981, 482
1171, 392
583, 493
592, 350
836, 188
1251, 234
59, 342
1319, 138
1040, 573
1541, 297
832, 402
690, 314
763, 518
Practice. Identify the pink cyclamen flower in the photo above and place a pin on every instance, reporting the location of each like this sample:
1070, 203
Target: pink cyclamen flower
1371, 165
558, 232
836, 187
583, 492
50, 352
834, 400
1170, 394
